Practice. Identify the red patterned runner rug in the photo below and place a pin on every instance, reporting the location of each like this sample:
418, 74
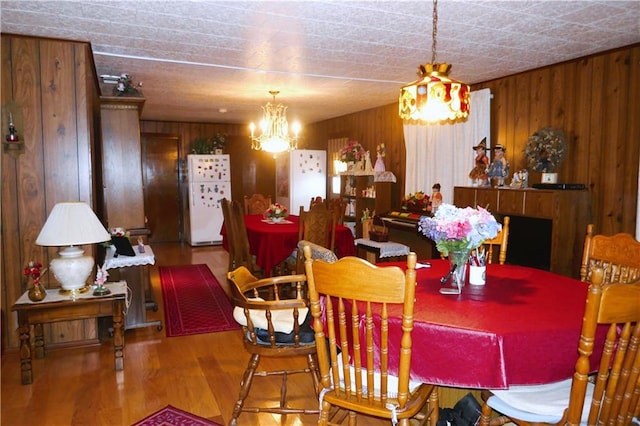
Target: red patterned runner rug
172, 416
194, 302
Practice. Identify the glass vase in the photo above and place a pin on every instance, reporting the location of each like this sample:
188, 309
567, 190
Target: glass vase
459, 258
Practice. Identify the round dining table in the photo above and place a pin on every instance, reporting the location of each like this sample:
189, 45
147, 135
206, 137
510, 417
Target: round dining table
272, 243
520, 328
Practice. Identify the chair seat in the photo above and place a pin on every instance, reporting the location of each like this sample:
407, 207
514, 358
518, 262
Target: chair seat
392, 381
539, 403
282, 319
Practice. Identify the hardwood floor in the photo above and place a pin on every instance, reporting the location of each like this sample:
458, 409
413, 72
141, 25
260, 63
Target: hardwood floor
200, 374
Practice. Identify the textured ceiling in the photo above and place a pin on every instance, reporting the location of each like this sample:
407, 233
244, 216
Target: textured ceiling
327, 58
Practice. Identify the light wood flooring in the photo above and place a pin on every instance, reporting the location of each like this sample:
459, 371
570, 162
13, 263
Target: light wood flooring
199, 374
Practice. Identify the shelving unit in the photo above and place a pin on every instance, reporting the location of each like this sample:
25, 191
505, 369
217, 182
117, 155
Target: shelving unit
360, 192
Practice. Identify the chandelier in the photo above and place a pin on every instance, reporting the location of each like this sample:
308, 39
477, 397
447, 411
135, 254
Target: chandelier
434, 97
275, 136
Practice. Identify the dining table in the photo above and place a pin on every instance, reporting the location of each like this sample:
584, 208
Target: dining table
272, 243
520, 328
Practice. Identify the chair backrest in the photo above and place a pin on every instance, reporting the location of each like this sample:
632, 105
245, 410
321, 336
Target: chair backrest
256, 204
266, 307
318, 225
357, 300
338, 207
500, 241
315, 200
619, 255
616, 393
238, 241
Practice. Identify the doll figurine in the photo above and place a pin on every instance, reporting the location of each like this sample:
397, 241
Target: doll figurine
479, 172
436, 198
499, 168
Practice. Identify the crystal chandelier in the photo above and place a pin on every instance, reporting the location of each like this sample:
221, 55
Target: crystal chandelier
434, 97
275, 136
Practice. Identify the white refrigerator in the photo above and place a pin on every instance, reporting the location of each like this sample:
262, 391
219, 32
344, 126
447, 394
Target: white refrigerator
209, 182
300, 175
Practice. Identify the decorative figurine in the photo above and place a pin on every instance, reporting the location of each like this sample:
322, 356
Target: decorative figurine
368, 167
101, 278
520, 179
479, 172
499, 168
381, 152
436, 198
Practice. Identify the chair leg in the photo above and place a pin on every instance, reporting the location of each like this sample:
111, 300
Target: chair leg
315, 372
245, 386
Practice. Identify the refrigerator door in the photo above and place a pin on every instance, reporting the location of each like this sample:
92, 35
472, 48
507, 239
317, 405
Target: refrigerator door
209, 168
208, 185
300, 176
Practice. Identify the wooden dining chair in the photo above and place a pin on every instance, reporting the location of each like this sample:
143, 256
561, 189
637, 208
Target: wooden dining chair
364, 370
318, 225
238, 241
256, 204
500, 242
274, 324
315, 200
338, 207
609, 397
620, 254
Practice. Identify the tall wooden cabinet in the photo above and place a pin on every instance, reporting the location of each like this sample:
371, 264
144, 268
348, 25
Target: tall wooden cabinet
360, 192
122, 184
547, 227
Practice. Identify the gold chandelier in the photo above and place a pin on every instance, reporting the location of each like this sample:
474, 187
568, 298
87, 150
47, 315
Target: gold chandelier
434, 97
275, 136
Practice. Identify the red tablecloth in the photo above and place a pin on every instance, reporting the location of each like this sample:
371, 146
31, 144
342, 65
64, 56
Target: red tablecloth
521, 328
273, 243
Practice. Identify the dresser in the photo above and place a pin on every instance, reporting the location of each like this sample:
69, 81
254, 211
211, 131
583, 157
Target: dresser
547, 227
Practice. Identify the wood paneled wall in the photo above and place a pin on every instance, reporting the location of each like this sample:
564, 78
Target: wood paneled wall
54, 85
593, 99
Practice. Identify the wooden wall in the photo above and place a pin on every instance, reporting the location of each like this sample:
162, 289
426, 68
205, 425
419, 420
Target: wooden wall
53, 86
251, 171
593, 99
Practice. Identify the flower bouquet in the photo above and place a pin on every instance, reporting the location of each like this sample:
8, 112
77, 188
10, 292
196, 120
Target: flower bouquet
276, 213
33, 271
456, 232
418, 202
455, 229
353, 151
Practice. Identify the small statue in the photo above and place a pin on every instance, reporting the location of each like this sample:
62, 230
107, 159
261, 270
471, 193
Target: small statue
479, 172
381, 152
368, 167
436, 198
499, 168
520, 179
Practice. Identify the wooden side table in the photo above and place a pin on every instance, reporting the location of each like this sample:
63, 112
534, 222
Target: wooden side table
135, 271
56, 307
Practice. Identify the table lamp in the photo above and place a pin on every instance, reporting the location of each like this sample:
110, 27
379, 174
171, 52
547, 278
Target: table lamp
69, 225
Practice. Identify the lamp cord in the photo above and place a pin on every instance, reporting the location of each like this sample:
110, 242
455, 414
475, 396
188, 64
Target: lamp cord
434, 31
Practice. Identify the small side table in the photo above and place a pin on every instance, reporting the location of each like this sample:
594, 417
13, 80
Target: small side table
56, 307
135, 270
374, 251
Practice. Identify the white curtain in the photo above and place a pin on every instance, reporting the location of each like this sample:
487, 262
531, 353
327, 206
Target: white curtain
443, 153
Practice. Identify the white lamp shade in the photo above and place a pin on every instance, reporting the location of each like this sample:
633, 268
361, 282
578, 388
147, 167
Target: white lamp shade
72, 223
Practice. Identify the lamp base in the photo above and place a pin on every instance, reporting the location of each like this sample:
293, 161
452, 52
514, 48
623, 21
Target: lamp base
71, 270
74, 291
